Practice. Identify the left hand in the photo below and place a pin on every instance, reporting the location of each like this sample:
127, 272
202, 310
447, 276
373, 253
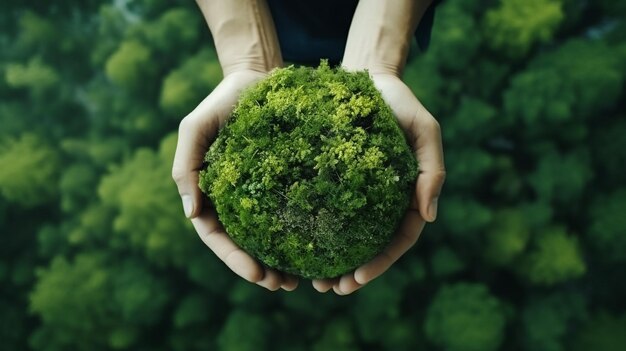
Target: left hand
197, 130
424, 135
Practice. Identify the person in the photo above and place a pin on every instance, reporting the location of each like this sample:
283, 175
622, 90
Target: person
247, 45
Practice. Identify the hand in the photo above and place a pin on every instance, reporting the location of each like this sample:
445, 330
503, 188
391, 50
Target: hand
197, 130
423, 132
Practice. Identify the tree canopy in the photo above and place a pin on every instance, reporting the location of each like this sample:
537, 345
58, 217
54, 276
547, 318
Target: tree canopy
528, 251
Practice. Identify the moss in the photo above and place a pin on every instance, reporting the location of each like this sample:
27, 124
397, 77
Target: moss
312, 174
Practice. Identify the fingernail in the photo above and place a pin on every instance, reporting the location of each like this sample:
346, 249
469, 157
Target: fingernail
432, 209
187, 205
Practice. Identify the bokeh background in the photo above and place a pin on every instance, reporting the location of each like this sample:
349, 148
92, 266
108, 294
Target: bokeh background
528, 253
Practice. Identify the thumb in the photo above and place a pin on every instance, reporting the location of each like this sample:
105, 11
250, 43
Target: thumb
190, 149
432, 172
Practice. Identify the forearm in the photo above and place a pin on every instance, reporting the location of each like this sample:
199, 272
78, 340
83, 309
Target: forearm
380, 35
243, 33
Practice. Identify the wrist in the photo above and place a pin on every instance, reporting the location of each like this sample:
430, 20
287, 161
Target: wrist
245, 76
244, 35
380, 35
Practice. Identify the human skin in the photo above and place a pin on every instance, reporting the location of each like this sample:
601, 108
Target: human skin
247, 47
379, 40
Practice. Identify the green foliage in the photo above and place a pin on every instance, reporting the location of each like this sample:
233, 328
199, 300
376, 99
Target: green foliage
608, 146
457, 38
569, 83
176, 28
109, 302
379, 310
515, 25
473, 122
30, 169
528, 251
465, 317
607, 233
507, 237
192, 309
561, 178
546, 320
554, 258
244, 331
35, 75
338, 335
140, 191
35, 31
465, 218
312, 174
445, 262
76, 186
185, 86
130, 64
603, 332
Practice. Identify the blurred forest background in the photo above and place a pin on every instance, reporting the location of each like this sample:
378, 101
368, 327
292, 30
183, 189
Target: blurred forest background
529, 251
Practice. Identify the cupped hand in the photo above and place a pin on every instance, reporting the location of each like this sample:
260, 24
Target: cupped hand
424, 135
196, 132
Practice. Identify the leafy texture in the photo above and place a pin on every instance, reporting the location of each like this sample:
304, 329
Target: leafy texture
312, 174
529, 245
29, 171
465, 317
517, 24
554, 258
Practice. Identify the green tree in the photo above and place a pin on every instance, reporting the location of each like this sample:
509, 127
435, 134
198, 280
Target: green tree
93, 302
555, 257
560, 86
130, 65
338, 335
465, 317
30, 170
548, 319
34, 75
187, 85
603, 332
515, 25
527, 252
445, 262
244, 331
607, 231
380, 306
141, 192
507, 237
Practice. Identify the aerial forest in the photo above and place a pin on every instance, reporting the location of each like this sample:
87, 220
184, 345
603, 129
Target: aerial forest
528, 251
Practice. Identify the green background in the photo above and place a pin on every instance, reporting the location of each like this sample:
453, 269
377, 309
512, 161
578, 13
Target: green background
528, 252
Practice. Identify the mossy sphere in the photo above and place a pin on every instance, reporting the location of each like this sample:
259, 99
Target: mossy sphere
312, 174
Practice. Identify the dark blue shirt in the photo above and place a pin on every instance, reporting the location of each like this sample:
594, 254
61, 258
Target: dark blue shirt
310, 30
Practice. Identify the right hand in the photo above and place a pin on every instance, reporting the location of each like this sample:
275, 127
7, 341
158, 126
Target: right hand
196, 132
424, 134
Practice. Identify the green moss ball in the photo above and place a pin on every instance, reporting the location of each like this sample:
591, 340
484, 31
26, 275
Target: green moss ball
312, 174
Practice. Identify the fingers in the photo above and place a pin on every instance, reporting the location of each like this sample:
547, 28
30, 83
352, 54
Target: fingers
213, 236
424, 134
408, 233
272, 280
197, 131
242, 264
429, 154
347, 285
194, 134
290, 282
410, 229
323, 285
